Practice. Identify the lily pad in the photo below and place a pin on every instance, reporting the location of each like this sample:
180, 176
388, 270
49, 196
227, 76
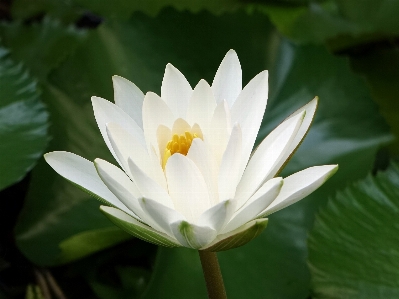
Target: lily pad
353, 247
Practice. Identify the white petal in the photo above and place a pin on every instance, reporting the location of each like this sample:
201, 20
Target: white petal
248, 111
162, 215
187, 187
256, 204
82, 172
269, 152
200, 154
129, 97
148, 187
125, 145
106, 112
120, 185
227, 83
300, 185
219, 131
217, 216
201, 106
180, 126
191, 235
229, 171
155, 113
176, 91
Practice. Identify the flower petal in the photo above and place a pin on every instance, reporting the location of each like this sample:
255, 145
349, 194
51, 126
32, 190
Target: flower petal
163, 216
229, 171
148, 187
201, 106
300, 185
120, 185
187, 187
217, 216
248, 111
138, 229
191, 235
256, 204
176, 91
82, 173
125, 145
106, 112
237, 237
227, 83
265, 157
129, 97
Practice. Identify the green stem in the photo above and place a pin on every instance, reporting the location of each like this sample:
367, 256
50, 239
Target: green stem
212, 274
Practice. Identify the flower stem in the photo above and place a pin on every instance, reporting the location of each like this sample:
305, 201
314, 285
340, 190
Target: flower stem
212, 274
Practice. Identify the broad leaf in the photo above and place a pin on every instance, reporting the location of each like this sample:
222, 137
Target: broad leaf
353, 247
23, 121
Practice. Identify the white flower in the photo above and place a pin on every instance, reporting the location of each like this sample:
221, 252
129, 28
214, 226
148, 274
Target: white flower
188, 177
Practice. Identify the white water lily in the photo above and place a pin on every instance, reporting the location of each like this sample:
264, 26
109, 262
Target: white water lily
187, 177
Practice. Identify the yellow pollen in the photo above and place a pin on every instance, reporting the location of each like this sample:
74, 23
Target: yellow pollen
178, 144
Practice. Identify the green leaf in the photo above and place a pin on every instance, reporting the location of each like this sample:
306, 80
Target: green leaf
353, 247
23, 121
41, 46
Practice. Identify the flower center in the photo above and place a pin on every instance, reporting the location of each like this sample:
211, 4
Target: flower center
178, 144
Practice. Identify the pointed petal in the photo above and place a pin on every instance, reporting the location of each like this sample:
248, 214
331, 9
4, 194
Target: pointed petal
248, 111
180, 126
217, 216
200, 154
125, 145
227, 83
163, 216
120, 185
229, 171
237, 237
106, 112
129, 97
201, 106
148, 187
256, 204
191, 235
269, 152
138, 229
219, 131
83, 174
187, 187
176, 91
300, 185
155, 113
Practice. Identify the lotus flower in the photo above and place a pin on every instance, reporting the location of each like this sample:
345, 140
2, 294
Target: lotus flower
187, 176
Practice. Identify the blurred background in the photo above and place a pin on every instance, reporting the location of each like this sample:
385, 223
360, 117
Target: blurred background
340, 242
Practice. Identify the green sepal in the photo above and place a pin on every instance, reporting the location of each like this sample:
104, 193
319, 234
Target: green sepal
136, 228
239, 236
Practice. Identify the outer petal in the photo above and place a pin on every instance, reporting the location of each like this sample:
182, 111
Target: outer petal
229, 171
155, 113
176, 91
201, 106
187, 187
265, 157
126, 145
237, 237
217, 216
300, 185
256, 204
191, 235
106, 112
120, 185
138, 229
129, 97
82, 173
227, 83
148, 187
248, 111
